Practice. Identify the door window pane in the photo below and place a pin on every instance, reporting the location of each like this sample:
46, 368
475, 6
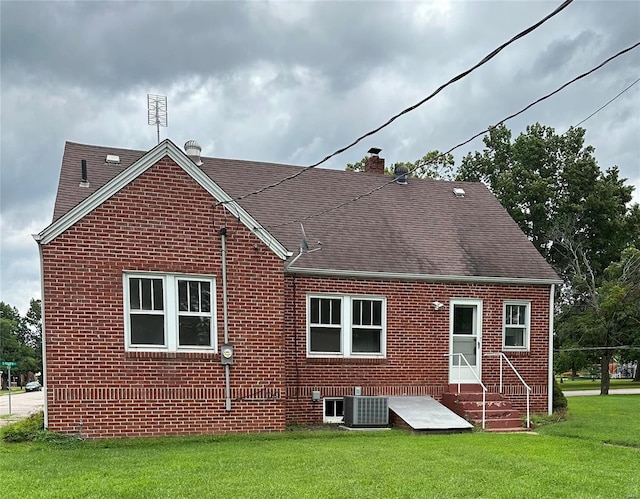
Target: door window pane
463, 319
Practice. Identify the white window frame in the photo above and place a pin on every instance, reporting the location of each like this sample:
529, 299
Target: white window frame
171, 313
346, 326
526, 326
332, 419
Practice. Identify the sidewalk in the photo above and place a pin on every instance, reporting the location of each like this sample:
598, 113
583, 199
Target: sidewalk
617, 391
22, 404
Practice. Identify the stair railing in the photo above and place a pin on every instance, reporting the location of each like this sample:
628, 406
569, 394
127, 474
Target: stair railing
484, 388
503, 356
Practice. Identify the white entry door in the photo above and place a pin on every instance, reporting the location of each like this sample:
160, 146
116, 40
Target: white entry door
465, 325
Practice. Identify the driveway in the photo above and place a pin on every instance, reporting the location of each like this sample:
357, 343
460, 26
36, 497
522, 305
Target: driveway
22, 404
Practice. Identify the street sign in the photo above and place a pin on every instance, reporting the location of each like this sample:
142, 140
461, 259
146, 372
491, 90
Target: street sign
9, 364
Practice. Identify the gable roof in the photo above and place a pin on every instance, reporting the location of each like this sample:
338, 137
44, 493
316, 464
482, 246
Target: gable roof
416, 231
107, 187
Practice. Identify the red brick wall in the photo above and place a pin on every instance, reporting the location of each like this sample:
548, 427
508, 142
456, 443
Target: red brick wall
417, 344
163, 221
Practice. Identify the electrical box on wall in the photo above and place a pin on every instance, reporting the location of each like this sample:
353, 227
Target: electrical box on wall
226, 354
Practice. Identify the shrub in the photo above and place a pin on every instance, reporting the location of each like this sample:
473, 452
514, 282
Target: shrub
26, 430
559, 400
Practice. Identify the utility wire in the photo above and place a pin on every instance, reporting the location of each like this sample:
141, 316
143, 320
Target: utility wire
601, 108
486, 59
391, 181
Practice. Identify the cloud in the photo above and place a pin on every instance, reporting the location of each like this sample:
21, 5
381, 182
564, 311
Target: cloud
291, 82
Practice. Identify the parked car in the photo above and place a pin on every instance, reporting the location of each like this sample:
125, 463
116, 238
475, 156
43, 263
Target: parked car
33, 386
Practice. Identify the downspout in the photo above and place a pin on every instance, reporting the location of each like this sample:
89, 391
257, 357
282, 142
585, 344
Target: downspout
45, 374
225, 315
551, 383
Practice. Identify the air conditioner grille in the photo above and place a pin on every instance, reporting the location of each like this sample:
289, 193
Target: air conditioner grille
366, 411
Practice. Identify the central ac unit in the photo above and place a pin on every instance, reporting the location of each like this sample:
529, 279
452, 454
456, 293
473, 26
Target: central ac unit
366, 411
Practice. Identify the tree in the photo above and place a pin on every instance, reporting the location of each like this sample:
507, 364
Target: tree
553, 187
21, 340
607, 315
579, 218
434, 165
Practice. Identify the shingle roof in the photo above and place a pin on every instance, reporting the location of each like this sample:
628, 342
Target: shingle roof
420, 228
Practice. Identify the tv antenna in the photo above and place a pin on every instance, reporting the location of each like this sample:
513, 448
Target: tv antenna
157, 109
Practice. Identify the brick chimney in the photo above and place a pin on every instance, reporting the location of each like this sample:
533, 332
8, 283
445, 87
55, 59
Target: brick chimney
374, 164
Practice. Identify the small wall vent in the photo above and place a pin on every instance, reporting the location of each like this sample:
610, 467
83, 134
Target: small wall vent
366, 411
112, 159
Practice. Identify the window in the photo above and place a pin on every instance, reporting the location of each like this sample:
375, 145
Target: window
333, 411
516, 326
169, 312
345, 326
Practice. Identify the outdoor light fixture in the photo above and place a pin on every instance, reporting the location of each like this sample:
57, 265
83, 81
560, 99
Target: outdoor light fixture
437, 305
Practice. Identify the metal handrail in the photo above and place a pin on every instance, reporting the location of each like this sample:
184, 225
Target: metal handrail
484, 388
503, 356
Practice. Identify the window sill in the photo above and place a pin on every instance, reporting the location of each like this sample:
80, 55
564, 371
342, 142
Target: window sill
139, 354
515, 350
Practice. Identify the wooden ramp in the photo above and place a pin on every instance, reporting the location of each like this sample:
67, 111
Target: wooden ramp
425, 413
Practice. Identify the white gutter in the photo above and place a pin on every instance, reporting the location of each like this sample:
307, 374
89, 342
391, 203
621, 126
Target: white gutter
43, 339
225, 313
551, 306
417, 277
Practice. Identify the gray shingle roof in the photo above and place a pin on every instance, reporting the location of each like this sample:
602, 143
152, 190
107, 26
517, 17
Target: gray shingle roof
420, 228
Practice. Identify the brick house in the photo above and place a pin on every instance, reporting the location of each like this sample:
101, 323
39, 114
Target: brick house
173, 307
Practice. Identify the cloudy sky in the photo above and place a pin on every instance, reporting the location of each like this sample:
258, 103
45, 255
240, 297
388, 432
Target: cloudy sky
292, 82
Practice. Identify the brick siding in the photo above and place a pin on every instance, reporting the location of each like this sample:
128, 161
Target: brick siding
165, 222
417, 344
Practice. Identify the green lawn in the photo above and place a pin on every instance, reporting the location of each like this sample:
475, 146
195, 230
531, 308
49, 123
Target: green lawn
567, 459
587, 384
13, 391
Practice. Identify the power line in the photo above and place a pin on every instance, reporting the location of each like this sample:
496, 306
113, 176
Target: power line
486, 59
391, 181
602, 107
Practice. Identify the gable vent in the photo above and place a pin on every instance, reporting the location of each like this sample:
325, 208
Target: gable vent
459, 192
112, 159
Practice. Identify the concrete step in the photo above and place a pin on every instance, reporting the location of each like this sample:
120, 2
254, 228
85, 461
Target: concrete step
473, 396
503, 424
476, 414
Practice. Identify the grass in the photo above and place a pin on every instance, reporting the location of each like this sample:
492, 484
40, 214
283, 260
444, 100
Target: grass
13, 391
611, 419
567, 459
586, 384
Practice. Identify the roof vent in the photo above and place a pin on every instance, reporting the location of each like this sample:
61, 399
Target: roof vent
459, 192
112, 159
400, 173
193, 150
84, 178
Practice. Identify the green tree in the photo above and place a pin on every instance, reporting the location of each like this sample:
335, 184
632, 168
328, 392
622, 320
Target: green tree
434, 165
553, 188
21, 340
606, 315
580, 219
